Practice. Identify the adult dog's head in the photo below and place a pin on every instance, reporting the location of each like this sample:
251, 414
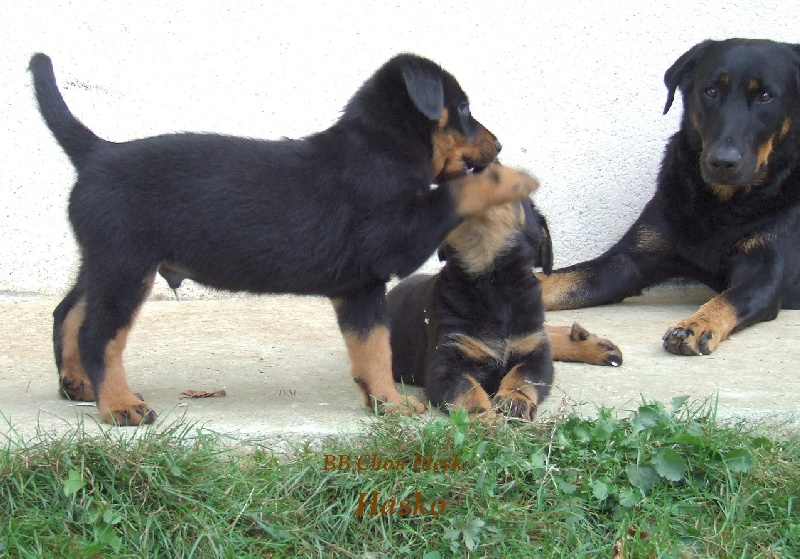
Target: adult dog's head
414, 94
741, 101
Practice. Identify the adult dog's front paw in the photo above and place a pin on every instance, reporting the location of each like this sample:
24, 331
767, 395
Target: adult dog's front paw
692, 337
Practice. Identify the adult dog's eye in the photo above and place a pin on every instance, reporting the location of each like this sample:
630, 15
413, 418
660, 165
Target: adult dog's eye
765, 97
711, 92
463, 109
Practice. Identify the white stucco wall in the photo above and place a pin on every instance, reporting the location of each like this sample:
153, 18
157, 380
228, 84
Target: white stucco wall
573, 90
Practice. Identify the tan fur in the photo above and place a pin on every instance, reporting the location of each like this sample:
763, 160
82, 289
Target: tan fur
576, 345
451, 149
514, 384
562, 290
696, 125
525, 345
495, 185
116, 402
752, 85
481, 238
475, 400
722, 192
787, 124
496, 350
764, 151
725, 79
650, 240
717, 318
74, 380
517, 395
371, 362
475, 349
746, 244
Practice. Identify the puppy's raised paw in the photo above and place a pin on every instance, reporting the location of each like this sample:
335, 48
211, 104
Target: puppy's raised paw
494, 185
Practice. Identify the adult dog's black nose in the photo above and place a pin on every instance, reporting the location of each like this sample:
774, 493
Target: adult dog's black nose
725, 161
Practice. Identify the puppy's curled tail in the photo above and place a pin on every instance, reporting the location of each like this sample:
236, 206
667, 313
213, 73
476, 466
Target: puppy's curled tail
75, 138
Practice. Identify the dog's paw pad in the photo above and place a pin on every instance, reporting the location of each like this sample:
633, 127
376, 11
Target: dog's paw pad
690, 338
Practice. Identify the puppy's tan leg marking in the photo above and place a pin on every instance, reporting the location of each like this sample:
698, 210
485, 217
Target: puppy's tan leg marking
371, 368
493, 186
475, 400
116, 402
517, 395
576, 344
74, 381
702, 332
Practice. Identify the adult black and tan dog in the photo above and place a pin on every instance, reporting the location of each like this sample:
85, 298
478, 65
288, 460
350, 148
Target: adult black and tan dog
335, 214
473, 334
726, 211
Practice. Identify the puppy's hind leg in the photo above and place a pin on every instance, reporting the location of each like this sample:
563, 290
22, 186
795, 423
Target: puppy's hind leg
364, 322
578, 345
68, 317
112, 302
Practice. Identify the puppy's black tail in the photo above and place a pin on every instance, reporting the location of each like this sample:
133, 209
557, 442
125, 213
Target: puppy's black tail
75, 138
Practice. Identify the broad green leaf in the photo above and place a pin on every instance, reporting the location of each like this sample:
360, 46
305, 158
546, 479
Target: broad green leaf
471, 530
600, 490
669, 464
678, 402
628, 498
73, 483
565, 486
643, 477
739, 461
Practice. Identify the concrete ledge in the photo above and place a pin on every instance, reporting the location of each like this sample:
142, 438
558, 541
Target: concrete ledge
284, 367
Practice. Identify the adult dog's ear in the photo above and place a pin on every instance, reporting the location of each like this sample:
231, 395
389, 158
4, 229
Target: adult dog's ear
425, 86
681, 72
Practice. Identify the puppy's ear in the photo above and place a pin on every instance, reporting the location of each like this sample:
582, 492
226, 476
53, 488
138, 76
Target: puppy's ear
545, 248
538, 235
796, 49
425, 86
681, 72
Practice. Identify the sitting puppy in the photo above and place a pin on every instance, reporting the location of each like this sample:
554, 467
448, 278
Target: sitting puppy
474, 333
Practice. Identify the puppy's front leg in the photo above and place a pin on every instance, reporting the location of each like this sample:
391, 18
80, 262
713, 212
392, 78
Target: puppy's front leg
364, 322
530, 378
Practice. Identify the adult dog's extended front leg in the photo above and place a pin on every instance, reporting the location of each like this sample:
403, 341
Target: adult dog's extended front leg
364, 322
754, 296
643, 257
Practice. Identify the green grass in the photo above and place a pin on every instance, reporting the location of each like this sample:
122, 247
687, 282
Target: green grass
668, 481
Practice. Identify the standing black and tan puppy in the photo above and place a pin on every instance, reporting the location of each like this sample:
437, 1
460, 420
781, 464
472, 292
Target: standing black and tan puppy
335, 214
473, 334
726, 211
